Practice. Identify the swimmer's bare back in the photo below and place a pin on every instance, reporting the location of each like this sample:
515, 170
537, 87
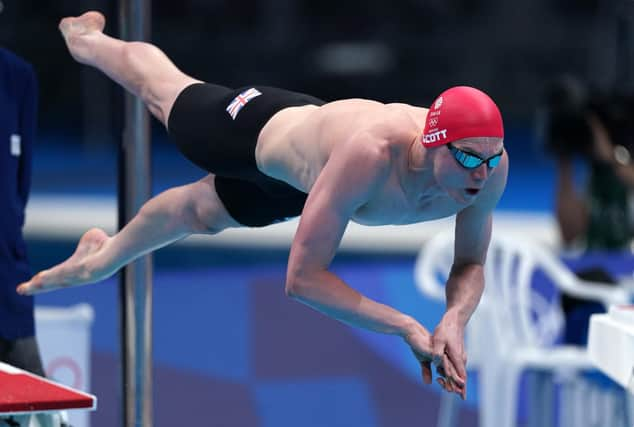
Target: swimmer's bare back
297, 141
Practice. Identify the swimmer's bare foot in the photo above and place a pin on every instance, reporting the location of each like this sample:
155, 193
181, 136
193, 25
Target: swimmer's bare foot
78, 31
81, 268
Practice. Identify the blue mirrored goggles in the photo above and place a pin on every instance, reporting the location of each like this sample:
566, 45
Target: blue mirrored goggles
472, 161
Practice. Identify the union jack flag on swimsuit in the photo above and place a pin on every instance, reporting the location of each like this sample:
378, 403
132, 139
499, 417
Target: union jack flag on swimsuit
241, 100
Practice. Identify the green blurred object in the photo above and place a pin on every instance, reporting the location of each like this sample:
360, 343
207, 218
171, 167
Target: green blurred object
609, 226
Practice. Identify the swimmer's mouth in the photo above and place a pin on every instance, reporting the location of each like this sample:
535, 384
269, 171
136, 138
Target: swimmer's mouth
472, 191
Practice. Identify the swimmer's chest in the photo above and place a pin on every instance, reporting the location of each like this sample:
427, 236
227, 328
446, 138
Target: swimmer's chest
393, 207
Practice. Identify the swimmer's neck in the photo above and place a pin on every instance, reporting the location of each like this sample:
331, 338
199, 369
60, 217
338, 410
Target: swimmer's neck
419, 159
419, 178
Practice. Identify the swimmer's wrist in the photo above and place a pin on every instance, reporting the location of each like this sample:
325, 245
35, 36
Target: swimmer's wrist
407, 326
457, 315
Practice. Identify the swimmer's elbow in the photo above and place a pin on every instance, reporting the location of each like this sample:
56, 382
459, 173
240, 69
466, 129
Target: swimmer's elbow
297, 285
292, 287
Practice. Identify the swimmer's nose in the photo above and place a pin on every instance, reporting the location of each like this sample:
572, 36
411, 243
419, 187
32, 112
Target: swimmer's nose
480, 174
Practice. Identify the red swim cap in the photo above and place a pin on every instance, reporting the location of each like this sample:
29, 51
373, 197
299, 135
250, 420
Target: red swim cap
461, 112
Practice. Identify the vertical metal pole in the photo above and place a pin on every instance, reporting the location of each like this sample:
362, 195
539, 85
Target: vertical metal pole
136, 279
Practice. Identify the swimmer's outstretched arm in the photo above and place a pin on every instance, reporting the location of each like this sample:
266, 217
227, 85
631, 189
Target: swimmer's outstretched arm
337, 193
170, 216
465, 284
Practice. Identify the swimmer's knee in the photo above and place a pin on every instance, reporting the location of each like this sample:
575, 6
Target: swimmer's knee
209, 219
208, 214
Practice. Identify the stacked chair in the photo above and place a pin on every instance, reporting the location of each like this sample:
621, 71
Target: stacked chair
515, 331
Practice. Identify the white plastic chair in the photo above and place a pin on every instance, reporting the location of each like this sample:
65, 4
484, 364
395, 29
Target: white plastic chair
527, 325
515, 327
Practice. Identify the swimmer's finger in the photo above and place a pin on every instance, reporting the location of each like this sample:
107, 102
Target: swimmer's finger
426, 371
451, 371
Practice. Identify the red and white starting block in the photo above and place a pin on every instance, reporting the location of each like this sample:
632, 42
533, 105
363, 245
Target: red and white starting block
27, 400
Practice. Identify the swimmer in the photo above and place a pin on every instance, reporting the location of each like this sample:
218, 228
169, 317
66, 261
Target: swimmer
273, 154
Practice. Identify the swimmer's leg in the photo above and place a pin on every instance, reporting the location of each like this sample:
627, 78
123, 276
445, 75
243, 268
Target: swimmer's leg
141, 68
170, 216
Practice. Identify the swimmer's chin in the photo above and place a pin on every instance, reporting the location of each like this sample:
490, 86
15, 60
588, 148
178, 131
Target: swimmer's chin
465, 196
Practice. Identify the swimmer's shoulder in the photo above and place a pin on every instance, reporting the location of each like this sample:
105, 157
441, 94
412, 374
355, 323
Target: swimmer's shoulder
400, 120
351, 103
419, 114
392, 121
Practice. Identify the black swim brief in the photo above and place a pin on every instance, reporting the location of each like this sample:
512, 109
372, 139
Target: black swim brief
217, 129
